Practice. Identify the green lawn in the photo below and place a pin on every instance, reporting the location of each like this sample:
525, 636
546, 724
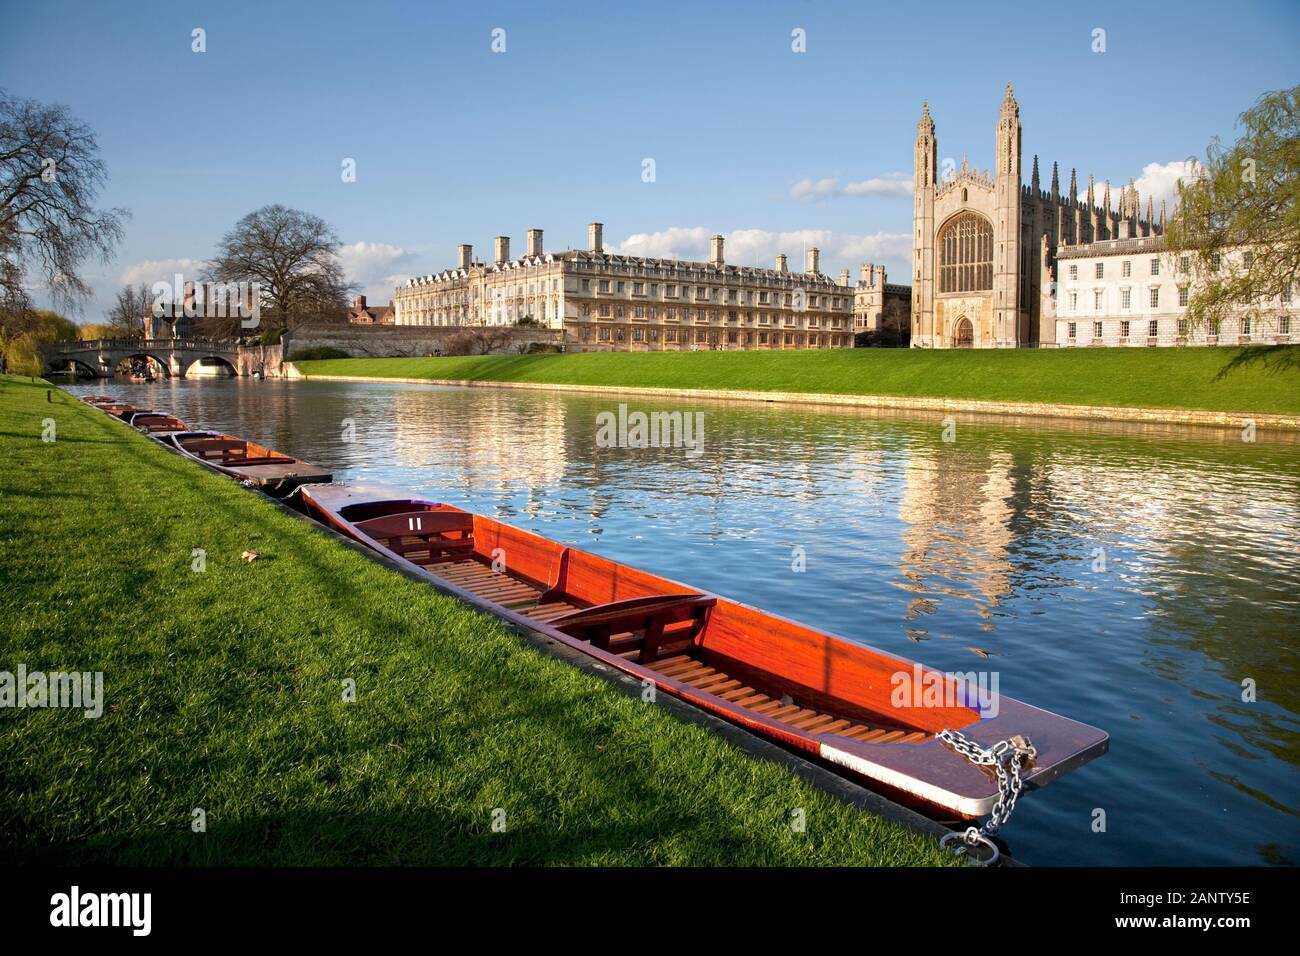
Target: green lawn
224, 692
1265, 380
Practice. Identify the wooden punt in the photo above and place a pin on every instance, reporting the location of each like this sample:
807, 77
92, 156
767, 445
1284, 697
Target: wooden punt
803, 688
115, 407
247, 462
157, 423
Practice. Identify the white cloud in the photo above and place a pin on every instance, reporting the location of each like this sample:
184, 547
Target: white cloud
807, 189
161, 270
759, 247
376, 267
889, 184
1160, 181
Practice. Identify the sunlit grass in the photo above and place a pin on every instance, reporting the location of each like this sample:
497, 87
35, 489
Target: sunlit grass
1131, 377
225, 692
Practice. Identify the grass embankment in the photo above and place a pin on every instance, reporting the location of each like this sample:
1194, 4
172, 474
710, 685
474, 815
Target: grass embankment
1144, 378
224, 692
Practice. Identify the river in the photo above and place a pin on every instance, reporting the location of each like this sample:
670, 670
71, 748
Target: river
1138, 578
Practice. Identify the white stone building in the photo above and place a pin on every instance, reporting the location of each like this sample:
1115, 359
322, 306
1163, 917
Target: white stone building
1131, 292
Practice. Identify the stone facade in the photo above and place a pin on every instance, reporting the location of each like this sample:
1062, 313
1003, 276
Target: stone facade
984, 243
1131, 292
601, 301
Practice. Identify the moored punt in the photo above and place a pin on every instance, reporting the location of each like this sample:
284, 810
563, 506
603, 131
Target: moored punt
247, 462
157, 423
116, 407
805, 689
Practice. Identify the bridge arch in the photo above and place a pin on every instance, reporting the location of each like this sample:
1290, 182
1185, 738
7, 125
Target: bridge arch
204, 365
61, 363
166, 366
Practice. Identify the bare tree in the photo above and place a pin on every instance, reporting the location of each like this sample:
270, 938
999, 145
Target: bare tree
50, 176
126, 316
293, 256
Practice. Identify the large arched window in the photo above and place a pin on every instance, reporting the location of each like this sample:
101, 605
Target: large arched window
966, 254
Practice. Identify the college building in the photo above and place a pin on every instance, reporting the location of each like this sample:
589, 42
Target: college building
605, 301
996, 263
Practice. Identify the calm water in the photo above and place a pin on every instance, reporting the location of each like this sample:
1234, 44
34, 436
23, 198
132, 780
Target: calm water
924, 549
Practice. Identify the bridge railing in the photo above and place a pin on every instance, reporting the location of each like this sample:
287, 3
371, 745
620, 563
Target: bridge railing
142, 345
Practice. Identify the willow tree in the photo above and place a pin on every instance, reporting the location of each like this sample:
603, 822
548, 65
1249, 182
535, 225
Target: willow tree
1236, 232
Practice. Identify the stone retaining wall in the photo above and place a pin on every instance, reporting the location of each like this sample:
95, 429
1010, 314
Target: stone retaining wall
408, 341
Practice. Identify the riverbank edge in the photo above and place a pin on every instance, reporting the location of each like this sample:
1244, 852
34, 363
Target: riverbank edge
1160, 416
832, 785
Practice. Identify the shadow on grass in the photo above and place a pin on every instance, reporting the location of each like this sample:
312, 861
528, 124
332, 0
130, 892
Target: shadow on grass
1273, 359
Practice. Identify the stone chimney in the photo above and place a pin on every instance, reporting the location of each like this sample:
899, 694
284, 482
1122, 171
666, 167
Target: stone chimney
844, 277
464, 255
502, 249
594, 243
360, 303
867, 274
534, 242
715, 250
781, 263
814, 261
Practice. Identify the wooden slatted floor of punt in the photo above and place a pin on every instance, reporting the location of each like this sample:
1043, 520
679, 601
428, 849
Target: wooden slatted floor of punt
688, 670
495, 586
501, 588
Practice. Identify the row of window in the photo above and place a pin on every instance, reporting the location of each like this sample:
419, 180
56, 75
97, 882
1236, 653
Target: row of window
605, 311
1125, 298
706, 337
1184, 327
796, 299
1153, 266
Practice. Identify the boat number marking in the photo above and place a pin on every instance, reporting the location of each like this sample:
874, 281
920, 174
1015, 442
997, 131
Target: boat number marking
414, 524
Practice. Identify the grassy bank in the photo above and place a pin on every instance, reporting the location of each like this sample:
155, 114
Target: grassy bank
1150, 378
224, 692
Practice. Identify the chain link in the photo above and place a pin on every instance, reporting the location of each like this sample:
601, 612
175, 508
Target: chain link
1005, 758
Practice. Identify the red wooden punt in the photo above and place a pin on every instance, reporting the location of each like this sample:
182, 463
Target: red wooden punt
247, 462
803, 688
157, 423
115, 407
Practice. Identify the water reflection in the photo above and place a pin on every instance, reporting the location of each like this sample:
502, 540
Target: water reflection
1131, 576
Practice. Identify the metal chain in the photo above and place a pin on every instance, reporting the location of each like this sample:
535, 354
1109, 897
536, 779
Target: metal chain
1004, 757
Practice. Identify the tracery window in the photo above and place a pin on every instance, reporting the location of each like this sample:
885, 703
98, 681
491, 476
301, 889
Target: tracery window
966, 254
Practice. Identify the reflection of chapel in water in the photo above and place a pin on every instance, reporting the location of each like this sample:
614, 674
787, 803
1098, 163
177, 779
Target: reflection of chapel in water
958, 514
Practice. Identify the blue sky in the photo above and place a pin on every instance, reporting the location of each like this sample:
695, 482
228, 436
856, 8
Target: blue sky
454, 143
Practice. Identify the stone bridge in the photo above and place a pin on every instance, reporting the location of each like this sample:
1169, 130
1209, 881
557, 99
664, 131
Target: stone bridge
101, 357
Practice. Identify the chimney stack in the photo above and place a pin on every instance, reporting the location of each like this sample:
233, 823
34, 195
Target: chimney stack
814, 260
534, 242
780, 263
866, 273
502, 249
464, 255
844, 277
594, 243
715, 256
360, 304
